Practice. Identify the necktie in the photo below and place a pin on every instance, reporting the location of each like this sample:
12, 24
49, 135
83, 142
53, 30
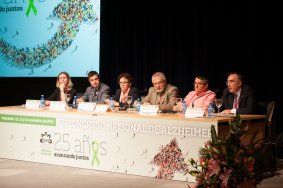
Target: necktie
94, 97
236, 102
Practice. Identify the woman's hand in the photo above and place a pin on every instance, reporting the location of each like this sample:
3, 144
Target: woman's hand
62, 87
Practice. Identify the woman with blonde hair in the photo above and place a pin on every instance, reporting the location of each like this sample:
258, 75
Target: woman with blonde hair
64, 86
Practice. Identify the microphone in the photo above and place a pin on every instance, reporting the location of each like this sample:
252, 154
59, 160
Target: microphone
216, 91
200, 97
141, 91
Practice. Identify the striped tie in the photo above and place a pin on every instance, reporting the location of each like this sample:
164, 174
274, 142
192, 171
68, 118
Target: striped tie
236, 102
94, 97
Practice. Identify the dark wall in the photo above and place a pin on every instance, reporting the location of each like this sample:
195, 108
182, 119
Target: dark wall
180, 39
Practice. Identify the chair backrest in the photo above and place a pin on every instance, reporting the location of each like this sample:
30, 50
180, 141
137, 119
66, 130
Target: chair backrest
266, 108
269, 111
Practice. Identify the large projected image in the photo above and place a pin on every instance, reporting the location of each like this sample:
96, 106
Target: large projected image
40, 38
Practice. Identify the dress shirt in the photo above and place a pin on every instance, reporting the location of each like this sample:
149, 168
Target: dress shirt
201, 100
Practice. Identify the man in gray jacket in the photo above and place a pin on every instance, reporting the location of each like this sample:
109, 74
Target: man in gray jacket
97, 92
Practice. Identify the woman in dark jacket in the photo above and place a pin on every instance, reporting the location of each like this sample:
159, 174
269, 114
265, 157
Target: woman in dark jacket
64, 87
125, 80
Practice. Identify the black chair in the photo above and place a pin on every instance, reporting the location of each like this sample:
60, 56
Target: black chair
267, 108
279, 146
269, 163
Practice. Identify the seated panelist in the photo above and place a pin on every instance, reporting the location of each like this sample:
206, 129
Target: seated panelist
125, 81
97, 91
238, 98
161, 94
200, 97
64, 86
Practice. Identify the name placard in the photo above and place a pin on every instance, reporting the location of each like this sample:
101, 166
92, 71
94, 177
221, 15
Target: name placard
86, 106
194, 112
32, 104
57, 105
101, 108
149, 109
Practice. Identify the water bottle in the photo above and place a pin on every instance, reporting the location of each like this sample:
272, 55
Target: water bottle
138, 104
184, 107
42, 101
210, 109
111, 103
75, 104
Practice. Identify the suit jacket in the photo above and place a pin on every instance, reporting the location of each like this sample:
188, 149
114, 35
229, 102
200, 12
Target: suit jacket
247, 101
96, 95
168, 98
133, 92
56, 96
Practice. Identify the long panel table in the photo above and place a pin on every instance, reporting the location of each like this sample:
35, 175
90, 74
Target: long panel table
154, 146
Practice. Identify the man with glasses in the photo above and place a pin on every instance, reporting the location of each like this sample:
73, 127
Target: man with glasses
200, 97
238, 98
161, 94
97, 92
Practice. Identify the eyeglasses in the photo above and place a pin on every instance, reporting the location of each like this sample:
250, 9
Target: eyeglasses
123, 82
198, 83
158, 83
230, 82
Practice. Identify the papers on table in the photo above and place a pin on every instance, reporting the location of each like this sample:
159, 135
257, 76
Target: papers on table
194, 112
101, 108
32, 104
57, 105
224, 115
91, 106
61, 106
149, 110
86, 106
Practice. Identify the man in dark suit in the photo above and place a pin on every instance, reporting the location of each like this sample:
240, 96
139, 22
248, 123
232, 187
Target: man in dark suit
238, 98
97, 92
161, 94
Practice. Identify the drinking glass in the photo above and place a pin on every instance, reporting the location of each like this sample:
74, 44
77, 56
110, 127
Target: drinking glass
67, 97
178, 101
218, 104
106, 100
142, 98
129, 100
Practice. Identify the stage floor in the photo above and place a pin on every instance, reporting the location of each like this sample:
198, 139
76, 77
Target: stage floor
14, 174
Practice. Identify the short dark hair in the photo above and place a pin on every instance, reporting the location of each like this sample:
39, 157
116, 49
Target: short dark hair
127, 76
203, 78
92, 73
241, 78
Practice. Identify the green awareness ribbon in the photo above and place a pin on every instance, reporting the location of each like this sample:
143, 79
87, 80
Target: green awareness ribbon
31, 6
95, 148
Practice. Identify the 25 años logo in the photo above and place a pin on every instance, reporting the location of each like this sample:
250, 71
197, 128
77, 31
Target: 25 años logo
79, 148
